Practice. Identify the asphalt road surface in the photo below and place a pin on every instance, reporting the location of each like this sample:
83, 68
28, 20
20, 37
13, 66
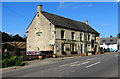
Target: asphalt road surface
88, 66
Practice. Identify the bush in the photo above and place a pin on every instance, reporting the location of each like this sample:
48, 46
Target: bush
6, 63
18, 63
5, 55
13, 61
18, 53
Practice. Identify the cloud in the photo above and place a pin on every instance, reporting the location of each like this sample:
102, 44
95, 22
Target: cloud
84, 6
118, 0
90, 5
104, 25
63, 5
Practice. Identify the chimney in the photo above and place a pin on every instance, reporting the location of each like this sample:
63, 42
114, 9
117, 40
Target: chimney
39, 8
86, 22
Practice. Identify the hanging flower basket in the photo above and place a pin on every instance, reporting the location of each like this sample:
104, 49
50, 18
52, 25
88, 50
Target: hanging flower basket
54, 55
81, 54
40, 56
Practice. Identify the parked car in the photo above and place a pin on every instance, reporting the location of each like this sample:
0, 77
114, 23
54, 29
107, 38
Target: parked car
112, 50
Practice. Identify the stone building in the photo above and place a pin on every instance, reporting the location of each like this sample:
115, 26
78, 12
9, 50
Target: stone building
52, 33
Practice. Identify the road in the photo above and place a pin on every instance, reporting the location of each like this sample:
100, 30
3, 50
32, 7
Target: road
88, 66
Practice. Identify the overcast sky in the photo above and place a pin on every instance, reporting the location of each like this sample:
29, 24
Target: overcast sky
102, 16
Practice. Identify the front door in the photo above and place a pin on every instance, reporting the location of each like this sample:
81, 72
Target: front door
81, 48
63, 52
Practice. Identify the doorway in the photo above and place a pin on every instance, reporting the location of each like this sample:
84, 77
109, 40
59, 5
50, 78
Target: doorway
81, 48
63, 52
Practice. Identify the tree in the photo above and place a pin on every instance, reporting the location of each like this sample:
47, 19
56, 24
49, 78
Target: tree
6, 37
118, 35
9, 38
17, 38
111, 36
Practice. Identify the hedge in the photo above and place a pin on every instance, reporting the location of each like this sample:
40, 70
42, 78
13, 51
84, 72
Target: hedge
12, 61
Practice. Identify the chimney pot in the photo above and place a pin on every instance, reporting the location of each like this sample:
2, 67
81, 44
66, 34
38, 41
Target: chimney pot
39, 8
86, 22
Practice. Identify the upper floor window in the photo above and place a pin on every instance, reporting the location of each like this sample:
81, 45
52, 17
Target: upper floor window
73, 35
95, 38
111, 40
81, 36
62, 34
88, 37
103, 40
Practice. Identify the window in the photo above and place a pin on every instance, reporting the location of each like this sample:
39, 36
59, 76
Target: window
50, 24
38, 15
81, 36
88, 48
95, 37
62, 34
88, 37
73, 47
73, 35
92, 43
111, 40
103, 40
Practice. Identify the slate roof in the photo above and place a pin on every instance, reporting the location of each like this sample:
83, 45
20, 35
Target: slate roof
68, 23
112, 40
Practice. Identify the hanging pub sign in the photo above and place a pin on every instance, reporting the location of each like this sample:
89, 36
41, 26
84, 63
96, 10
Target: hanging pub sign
38, 33
52, 43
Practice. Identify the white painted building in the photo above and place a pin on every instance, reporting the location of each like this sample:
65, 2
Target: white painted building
111, 43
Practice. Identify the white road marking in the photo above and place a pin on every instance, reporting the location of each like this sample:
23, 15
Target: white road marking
93, 64
75, 65
74, 62
91, 58
85, 62
68, 64
63, 65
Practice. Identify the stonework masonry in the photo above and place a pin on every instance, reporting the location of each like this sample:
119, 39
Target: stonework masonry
43, 35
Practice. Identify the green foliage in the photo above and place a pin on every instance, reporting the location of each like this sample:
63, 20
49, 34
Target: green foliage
5, 55
118, 35
18, 52
18, 62
17, 38
5, 62
111, 36
8, 38
13, 61
8, 47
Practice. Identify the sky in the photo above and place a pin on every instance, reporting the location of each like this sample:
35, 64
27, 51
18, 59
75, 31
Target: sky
102, 16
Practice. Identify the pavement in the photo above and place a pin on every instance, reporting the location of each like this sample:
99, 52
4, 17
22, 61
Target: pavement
105, 65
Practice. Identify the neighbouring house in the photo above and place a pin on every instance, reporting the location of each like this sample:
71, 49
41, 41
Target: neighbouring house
109, 43
52, 33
